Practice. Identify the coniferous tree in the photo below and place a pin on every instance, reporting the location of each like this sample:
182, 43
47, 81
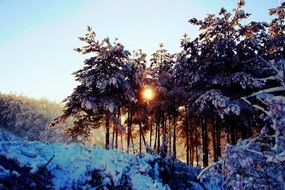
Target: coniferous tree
221, 66
138, 74
104, 87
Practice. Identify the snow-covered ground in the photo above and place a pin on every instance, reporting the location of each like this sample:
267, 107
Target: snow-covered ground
75, 166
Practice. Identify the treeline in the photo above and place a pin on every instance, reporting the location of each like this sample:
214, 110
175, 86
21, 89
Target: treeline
29, 118
203, 95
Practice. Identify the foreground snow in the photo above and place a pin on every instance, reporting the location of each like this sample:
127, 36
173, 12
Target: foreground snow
72, 165
61, 166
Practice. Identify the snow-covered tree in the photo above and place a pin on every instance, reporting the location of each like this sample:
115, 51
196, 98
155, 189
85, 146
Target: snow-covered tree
223, 65
161, 61
169, 98
104, 87
258, 163
137, 76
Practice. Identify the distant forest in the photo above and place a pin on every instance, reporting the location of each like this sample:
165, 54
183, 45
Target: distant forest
28, 118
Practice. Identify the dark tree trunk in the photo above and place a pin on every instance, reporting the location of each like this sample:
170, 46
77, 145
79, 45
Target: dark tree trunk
144, 141
150, 134
133, 145
107, 136
119, 118
187, 138
116, 137
122, 142
244, 132
155, 136
113, 136
174, 136
170, 137
163, 128
191, 146
214, 140
140, 138
228, 131
128, 135
130, 120
205, 143
218, 137
232, 126
116, 132
158, 134
196, 146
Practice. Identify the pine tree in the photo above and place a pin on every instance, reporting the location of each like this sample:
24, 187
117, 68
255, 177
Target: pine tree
138, 63
221, 66
104, 87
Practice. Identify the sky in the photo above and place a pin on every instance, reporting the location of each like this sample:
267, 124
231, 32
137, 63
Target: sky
37, 38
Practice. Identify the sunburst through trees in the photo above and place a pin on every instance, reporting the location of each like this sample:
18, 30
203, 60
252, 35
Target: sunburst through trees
214, 78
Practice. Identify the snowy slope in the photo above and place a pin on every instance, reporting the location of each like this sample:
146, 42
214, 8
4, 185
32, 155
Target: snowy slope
38, 165
6, 136
72, 165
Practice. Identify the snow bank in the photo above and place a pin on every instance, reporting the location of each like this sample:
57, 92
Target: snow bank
39, 165
74, 165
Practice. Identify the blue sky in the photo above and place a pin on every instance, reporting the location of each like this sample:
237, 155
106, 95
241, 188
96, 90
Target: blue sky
37, 38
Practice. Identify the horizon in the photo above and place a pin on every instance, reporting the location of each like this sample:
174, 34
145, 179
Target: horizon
37, 57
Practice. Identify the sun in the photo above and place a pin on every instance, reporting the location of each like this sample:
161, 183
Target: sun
148, 93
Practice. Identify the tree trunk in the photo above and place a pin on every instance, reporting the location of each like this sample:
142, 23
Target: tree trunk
155, 136
113, 136
191, 143
140, 147
196, 146
174, 137
191, 146
122, 142
128, 131
150, 134
119, 118
218, 137
133, 145
158, 134
170, 137
144, 141
187, 138
163, 128
228, 131
116, 137
214, 140
107, 136
232, 126
130, 120
205, 143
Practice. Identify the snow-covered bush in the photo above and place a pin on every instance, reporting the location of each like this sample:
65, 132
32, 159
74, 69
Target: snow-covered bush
73, 167
257, 163
38, 165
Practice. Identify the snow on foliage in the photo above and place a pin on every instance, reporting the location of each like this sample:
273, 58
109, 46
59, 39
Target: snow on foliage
257, 163
37, 165
245, 166
76, 166
246, 81
105, 85
222, 104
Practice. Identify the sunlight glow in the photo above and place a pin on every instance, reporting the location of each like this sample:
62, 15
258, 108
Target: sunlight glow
148, 93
